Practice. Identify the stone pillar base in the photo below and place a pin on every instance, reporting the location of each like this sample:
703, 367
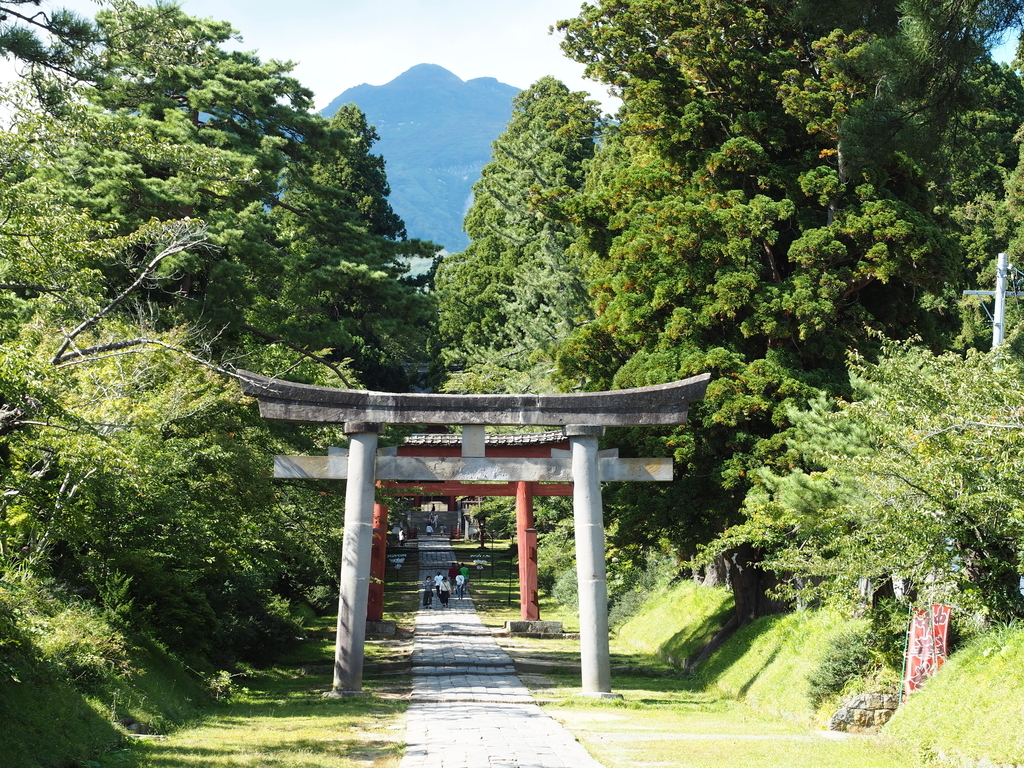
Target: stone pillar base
386, 628
343, 694
598, 695
534, 627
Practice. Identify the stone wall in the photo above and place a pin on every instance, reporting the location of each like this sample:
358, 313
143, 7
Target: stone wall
864, 713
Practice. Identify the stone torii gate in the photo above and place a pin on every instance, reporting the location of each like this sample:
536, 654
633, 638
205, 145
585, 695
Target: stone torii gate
583, 416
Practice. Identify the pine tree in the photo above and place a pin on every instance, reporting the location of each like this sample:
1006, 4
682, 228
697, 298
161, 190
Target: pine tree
779, 192
518, 289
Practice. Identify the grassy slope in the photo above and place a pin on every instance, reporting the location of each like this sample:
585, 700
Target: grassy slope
970, 711
50, 723
675, 624
766, 663
974, 706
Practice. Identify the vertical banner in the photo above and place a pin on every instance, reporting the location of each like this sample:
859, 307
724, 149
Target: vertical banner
927, 645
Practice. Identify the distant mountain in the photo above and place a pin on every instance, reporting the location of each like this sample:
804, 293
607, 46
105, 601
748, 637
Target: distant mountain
435, 136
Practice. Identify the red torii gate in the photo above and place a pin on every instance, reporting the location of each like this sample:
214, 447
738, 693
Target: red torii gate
514, 446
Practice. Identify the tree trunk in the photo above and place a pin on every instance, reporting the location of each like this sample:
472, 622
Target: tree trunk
749, 583
716, 573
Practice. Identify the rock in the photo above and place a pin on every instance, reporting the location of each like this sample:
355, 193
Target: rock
864, 713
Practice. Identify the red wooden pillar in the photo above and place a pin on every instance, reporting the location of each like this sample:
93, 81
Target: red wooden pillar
378, 558
529, 607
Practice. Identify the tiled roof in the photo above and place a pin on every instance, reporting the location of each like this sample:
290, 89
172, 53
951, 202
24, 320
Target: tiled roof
511, 438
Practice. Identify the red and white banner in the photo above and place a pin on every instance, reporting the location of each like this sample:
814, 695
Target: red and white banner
926, 645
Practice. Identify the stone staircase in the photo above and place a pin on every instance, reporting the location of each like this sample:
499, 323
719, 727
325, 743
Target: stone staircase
418, 519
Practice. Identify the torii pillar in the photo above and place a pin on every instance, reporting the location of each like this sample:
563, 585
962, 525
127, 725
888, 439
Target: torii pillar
356, 551
582, 415
526, 535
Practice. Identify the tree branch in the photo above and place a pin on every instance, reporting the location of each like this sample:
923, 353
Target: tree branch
273, 339
189, 234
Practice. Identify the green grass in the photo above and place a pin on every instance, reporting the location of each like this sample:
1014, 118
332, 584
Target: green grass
674, 625
281, 721
278, 718
766, 663
973, 708
67, 674
680, 722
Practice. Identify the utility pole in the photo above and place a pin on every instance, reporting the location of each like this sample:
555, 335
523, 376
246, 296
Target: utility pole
999, 315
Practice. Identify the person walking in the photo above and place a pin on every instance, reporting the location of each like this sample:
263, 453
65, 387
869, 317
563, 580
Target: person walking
464, 570
437, 583
444, 591
428, 592
460, 586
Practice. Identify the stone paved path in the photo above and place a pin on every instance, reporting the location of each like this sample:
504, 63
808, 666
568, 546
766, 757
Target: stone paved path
469, 709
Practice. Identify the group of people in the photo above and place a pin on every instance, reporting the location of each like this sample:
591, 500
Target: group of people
443, 584
432, 525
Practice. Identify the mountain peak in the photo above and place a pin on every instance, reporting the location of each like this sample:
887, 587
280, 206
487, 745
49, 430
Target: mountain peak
426, 73
435, 136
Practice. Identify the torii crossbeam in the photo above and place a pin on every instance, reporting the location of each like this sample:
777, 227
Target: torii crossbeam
583, 417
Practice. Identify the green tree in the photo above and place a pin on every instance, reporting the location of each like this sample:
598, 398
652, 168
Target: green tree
185, 211
45, 42
508, 300
917, 480
342, 282
294, 206
773, 198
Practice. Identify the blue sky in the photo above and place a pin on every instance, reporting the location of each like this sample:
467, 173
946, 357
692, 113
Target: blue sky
337, 44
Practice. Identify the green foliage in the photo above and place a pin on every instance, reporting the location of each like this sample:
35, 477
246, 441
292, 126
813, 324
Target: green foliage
61, 662
566, 589
556, 553
518, 289
920, 482
784, 184
499, 516
181, 214
630, 584
847, 657
887, 633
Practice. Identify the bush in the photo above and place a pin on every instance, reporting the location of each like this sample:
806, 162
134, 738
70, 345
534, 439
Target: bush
888, 632
631, 586
566, 590
303, 615
253, 625
556, 553
847, 657
323, 598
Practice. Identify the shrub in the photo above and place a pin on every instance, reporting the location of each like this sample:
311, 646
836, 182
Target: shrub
556, 553
323, 598
848, 656
888, 632
566, 589
631, 586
